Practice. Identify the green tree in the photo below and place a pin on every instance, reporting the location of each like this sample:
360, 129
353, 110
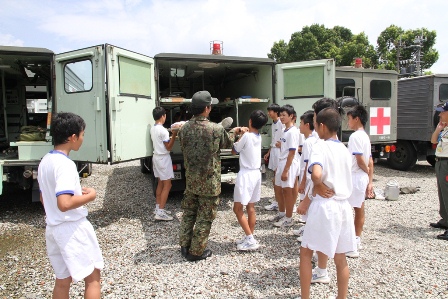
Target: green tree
396, 44
318, 42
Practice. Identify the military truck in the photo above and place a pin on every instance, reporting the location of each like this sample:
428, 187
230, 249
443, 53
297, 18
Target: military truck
417, 118
115, 91
377, 91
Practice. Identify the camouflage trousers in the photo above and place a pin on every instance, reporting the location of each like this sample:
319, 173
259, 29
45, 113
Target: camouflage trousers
198, 214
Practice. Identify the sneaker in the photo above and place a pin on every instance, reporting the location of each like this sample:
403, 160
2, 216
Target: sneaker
166, 211
284, 223
271, 200
272, 207
298, 232
275, 218
317, 278
162, 215
240, 241
353, 254
247, 245
300, 220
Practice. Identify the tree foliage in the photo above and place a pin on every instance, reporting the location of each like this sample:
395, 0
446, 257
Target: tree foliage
318, 42
394, 39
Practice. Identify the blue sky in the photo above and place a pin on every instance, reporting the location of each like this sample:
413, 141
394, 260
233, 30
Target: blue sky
247, 28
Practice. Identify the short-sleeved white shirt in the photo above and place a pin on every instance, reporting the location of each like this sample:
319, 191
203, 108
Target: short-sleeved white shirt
277, 131
359, 144
249, 149
57, 175
159, 135
289, 142
335, 160
306, 153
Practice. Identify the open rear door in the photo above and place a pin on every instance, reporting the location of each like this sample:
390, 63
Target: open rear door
80, 88
300, 84
132, 96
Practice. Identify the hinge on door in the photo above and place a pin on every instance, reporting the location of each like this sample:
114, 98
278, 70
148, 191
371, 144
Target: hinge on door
98, 53
111, 52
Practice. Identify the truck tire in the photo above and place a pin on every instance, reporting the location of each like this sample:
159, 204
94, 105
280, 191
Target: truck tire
431, 160
404, 157
145, 165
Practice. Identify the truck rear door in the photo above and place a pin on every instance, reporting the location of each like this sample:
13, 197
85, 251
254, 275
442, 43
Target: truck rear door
300, 84
132, 95
80, 89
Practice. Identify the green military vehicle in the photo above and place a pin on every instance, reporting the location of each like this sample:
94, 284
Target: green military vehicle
115, 91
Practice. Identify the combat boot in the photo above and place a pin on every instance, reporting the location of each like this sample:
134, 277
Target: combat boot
184, 251
192, 258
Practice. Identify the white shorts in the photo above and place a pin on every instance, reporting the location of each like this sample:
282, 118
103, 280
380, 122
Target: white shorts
292, 174
73, 249
360, 180
329, 227
273, 158
247, 186
162, 167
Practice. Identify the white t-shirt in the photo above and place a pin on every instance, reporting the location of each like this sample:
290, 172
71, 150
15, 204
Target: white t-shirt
442, 141
306, 153
249, 149
57, 174
289, 142
301, 139
335, 160
159, 135
359, 144
277, 130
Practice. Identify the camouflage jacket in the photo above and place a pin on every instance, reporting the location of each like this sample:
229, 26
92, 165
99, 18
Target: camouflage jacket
201, 141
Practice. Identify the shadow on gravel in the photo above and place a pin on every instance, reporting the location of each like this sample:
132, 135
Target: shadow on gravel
420, 169
411, 233
271, 278
16, 205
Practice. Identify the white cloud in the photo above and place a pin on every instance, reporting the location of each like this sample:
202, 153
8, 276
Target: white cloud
9, 40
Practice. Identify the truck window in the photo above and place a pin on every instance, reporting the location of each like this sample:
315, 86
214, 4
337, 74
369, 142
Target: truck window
304, 83
78, 76
134, 77
345, 87
380, 90
443, 92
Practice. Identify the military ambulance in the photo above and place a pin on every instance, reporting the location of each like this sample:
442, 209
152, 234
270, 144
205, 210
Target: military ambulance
115, 91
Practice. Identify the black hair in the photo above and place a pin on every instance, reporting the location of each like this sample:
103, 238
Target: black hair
307, 118
275, 108
360, 112
323, 103
197, 110
258, 118
330, 118
288, 109
158, 112
64, 125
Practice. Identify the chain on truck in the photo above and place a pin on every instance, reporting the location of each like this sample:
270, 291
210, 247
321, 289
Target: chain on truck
115, 91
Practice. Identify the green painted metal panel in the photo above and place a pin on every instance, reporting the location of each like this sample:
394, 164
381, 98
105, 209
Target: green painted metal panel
132, 97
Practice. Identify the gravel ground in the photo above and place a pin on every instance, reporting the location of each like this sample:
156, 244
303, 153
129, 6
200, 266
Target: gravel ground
401, 258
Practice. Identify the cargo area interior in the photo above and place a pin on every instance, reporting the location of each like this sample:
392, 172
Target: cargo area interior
240, 87
24, 90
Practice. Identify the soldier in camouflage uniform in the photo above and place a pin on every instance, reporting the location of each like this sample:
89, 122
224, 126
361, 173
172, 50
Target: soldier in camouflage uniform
201, 141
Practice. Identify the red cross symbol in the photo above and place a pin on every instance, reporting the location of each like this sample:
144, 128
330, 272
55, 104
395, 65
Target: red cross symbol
380, 120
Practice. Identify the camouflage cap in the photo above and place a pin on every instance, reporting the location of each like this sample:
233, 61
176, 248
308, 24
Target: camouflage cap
203, 99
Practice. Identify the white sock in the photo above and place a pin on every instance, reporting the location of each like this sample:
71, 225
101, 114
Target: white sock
157, 206
250, 238
288, 219
358, 240
321, 272
282, 214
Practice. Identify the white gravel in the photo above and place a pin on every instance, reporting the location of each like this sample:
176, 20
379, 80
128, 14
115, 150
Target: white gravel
401, 258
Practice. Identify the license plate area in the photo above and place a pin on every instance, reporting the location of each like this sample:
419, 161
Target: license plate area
177, 175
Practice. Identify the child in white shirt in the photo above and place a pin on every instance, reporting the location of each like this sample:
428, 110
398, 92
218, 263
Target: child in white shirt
329, 228
248, 181
161, 162
362, 169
